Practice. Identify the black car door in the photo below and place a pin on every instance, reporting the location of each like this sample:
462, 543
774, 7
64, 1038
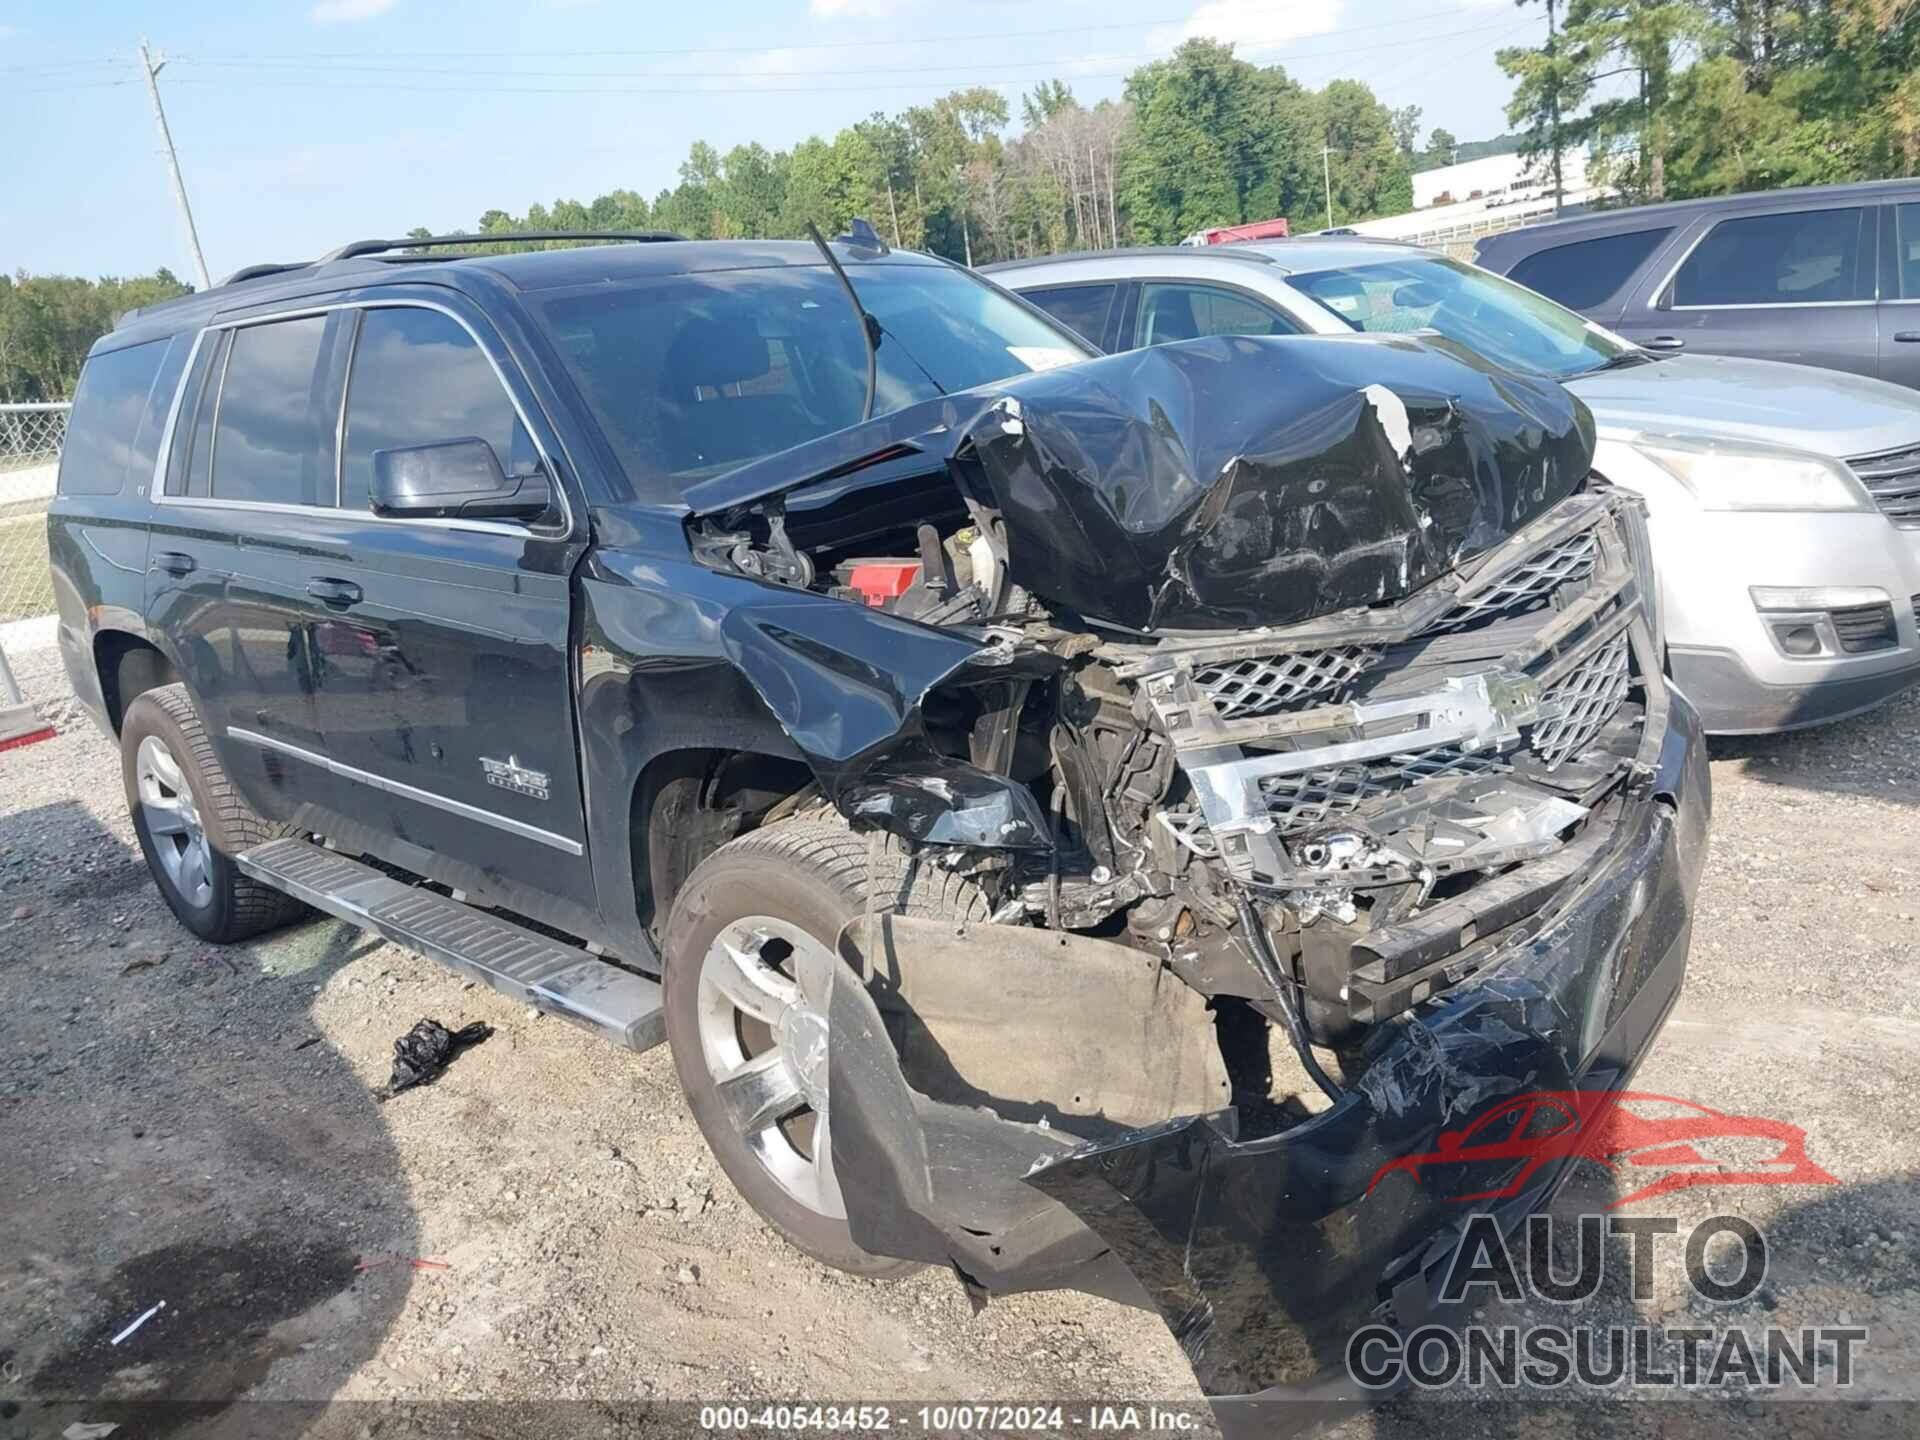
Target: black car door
1794, 283
441, 655
233, 530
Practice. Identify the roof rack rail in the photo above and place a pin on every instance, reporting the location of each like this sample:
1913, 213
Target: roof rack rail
254, 272
500, 237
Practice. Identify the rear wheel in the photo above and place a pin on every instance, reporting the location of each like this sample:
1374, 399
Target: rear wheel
750, 951
191, 822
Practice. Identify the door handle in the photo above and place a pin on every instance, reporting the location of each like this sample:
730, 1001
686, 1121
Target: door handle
174, 562
1666, 342
339, 593
1907, 337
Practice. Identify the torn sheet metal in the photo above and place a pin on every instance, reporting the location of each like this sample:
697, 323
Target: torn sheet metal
846, 685
1264, 1256
1238, 481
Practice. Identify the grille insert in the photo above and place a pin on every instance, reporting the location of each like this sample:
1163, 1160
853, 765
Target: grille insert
1306, 799
1528, 585
1864, 628
1582, 702
1893, 479
1267, 683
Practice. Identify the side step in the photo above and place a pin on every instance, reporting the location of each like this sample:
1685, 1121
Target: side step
614, 1004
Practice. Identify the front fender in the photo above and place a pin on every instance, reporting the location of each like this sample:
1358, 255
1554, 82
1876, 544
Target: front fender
847, 684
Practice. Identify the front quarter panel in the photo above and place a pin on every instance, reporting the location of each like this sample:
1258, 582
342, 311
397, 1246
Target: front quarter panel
675, 657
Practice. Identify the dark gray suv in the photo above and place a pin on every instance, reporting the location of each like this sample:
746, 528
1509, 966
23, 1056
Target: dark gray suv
1828, 275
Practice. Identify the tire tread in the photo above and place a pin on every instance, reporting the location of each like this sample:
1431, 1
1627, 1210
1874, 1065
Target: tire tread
255, 907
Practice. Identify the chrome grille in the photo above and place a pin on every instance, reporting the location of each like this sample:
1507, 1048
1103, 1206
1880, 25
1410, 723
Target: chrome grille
1528, 584
1267, 683
1893, 479
1581, 703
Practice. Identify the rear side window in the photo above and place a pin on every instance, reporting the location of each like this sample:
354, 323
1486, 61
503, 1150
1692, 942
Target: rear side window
272, 430
1083, 309
119, 410
1799, 258
1172, 312
418, 378
1588, 273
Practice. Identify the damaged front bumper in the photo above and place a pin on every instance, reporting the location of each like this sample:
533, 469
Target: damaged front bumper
1265, 1255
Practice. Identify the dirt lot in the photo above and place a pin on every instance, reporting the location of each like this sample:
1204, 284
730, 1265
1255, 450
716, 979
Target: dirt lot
195, 1125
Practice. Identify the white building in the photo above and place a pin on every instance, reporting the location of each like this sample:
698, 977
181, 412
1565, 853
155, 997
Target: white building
1499, 178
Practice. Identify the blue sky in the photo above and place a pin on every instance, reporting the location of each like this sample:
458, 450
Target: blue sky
305, 123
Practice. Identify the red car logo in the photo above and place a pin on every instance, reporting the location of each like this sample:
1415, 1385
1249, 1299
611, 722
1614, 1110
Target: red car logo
1626, 1132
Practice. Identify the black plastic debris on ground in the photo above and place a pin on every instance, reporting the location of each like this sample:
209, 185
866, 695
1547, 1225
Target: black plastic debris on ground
424, 1051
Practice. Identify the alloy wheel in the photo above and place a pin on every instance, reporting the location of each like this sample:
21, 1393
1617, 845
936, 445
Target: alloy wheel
762, 1001
173, 822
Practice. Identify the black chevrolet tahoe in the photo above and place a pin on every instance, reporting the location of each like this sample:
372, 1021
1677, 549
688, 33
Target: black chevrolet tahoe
1076, 820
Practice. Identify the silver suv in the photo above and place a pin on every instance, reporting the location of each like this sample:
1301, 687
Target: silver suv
1784, 500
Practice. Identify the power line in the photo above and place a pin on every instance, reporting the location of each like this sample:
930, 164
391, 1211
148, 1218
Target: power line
46, 65
747, 75
940, 78
310, 56
10, 91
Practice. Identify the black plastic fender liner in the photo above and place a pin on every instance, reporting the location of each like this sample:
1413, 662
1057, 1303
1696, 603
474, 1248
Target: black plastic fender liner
943, 1183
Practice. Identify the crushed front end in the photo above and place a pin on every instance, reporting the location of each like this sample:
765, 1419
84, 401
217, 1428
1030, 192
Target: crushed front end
1298, 706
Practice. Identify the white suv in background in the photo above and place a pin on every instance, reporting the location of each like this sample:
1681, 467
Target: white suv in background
1788, 594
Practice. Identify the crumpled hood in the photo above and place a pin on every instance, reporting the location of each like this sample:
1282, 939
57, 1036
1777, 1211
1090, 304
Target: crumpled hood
1234, 482
1826, 411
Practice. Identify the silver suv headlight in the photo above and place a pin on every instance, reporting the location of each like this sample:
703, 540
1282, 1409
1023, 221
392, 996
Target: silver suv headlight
1739, 475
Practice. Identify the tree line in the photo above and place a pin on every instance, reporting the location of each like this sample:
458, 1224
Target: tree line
1669, 98
1202, 138
48, 323
1680, 98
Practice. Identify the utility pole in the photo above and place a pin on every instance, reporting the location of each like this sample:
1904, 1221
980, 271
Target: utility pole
151, 68
1553, 104
1326, 171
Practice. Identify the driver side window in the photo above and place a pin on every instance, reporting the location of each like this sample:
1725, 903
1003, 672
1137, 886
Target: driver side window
419, 378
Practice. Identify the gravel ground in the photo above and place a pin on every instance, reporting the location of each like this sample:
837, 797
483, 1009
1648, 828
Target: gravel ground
197, 1123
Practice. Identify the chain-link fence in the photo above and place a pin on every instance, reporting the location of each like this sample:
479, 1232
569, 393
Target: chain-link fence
30, 441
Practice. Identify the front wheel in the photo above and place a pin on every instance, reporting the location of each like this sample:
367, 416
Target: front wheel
750, 961
191, 822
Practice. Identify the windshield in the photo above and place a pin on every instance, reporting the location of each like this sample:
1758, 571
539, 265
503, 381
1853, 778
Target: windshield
694, 375
1494, 317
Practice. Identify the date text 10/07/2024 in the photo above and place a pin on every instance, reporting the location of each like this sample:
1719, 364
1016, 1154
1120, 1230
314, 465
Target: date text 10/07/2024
943, 1418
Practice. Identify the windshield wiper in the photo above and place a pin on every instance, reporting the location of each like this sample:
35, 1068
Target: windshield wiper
869, 327
1623, 360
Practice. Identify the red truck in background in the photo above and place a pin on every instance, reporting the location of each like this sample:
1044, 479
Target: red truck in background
1275, 229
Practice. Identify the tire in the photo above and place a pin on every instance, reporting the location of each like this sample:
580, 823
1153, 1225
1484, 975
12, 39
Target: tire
192, 822
805, 878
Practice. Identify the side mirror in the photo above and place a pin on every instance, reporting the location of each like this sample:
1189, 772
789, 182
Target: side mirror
455, 479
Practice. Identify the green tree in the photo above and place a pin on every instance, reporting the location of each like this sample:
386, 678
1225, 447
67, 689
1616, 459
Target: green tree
1548, 84
1370, 174
49, 322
